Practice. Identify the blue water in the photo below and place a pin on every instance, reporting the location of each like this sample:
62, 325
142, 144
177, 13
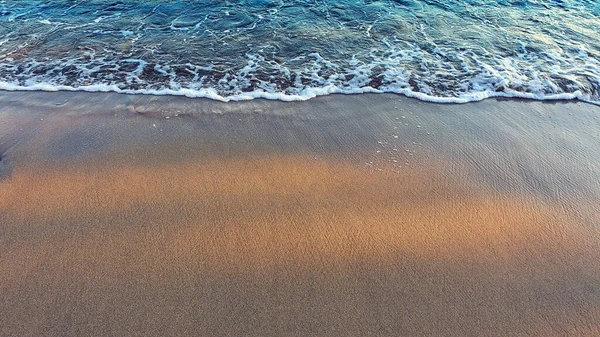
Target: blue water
445, 50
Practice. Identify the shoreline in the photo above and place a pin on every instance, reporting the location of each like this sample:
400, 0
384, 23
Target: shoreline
344, 215
312, 94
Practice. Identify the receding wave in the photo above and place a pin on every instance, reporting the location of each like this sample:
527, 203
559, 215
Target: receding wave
443, 51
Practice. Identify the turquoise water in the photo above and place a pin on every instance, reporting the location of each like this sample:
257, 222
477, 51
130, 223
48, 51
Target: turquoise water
449, 51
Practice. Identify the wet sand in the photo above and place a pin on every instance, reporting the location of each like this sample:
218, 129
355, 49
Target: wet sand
341, 216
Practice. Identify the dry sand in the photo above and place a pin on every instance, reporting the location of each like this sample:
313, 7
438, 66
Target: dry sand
368, 215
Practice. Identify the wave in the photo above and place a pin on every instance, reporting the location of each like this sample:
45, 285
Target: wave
304, 95
452, 51
441, 76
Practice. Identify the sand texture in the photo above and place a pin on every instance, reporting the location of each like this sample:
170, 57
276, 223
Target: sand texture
367, 215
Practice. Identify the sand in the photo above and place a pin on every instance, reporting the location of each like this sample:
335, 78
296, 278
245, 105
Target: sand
341, 216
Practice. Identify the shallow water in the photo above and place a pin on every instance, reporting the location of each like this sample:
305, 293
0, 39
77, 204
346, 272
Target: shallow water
451, 50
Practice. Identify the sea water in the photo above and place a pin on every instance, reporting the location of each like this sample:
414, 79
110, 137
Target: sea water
437, 50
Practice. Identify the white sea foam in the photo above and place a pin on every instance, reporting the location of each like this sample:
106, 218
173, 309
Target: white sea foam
305, 94
438, 81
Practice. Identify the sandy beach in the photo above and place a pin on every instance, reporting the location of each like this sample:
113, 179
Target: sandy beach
345, 215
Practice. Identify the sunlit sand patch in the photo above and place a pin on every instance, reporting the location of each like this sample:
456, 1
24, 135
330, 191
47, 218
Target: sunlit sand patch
249, 214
